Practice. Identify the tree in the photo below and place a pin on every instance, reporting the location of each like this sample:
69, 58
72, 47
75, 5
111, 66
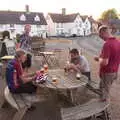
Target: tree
109, 14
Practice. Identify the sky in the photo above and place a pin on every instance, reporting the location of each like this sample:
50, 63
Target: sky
84, 7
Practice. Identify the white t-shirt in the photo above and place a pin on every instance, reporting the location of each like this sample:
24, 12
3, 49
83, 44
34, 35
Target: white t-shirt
84, 65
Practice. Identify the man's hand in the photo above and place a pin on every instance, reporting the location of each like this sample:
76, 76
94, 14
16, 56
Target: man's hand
102, 61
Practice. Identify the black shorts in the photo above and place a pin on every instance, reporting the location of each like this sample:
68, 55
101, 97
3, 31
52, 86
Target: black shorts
87, 74
26, 88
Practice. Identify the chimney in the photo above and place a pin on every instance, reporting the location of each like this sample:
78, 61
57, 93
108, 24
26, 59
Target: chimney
63, 11
27, 9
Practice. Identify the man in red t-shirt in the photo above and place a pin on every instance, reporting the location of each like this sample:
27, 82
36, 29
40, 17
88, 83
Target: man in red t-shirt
109, 61
18, 82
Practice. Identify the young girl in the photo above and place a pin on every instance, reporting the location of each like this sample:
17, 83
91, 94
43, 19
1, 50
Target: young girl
28, 62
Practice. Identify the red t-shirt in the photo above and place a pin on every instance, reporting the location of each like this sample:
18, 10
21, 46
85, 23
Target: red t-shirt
18, 71
110, 51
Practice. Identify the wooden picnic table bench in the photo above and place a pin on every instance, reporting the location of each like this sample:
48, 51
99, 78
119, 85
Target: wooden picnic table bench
21, 102
94, 110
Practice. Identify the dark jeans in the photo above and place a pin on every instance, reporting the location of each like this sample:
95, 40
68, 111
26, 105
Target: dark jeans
26, 88
88, 74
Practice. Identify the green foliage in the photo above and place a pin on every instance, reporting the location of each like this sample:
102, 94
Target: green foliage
109, 14
18, 38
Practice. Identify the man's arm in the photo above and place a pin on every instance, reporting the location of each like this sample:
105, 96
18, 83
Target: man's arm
29, 74
103, 59
27, 79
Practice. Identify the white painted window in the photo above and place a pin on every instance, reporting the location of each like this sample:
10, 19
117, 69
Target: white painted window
57, 31
62, 31
22, 17
76, 25
69, 31
85, 25
78, 30
57, 25
37, 18
61, 25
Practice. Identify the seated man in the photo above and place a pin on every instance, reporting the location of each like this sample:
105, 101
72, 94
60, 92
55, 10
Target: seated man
17, 81
78, 63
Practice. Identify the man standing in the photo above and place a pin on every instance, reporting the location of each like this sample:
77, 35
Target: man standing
25, 39
109, 60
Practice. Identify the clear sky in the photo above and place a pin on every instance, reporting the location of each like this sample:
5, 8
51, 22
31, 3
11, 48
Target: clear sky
84, 7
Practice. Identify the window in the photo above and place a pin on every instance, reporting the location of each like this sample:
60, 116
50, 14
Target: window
61, 25
76, 25
22, 17
69, 31
57, 25
37, 18
62, 31
57, 32
86, 24
88, 31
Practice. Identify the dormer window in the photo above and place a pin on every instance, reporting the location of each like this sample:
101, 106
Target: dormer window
22, 17
37, 18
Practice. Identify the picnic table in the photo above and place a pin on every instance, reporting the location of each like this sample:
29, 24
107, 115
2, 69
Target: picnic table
67, 84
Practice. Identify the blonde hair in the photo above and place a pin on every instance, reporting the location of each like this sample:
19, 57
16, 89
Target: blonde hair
19, 52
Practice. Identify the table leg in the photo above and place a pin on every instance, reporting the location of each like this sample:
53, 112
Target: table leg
71, 94
46, 58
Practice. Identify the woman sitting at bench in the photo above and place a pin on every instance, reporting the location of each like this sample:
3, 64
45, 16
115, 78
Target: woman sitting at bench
27, 64
17, 81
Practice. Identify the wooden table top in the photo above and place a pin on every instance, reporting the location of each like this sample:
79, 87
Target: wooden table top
63, 81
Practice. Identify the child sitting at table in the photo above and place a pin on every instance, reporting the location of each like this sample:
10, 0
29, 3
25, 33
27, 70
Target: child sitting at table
28, 62
78, 63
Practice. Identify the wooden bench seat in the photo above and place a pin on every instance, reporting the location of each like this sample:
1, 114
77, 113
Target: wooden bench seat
21, 102
87, 110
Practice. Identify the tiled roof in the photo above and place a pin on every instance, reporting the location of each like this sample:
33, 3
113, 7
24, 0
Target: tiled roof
60, 18
13, 17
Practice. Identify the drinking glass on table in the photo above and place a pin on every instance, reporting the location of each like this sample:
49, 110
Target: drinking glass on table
42, 71
66, 67
45, 68
54, 79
